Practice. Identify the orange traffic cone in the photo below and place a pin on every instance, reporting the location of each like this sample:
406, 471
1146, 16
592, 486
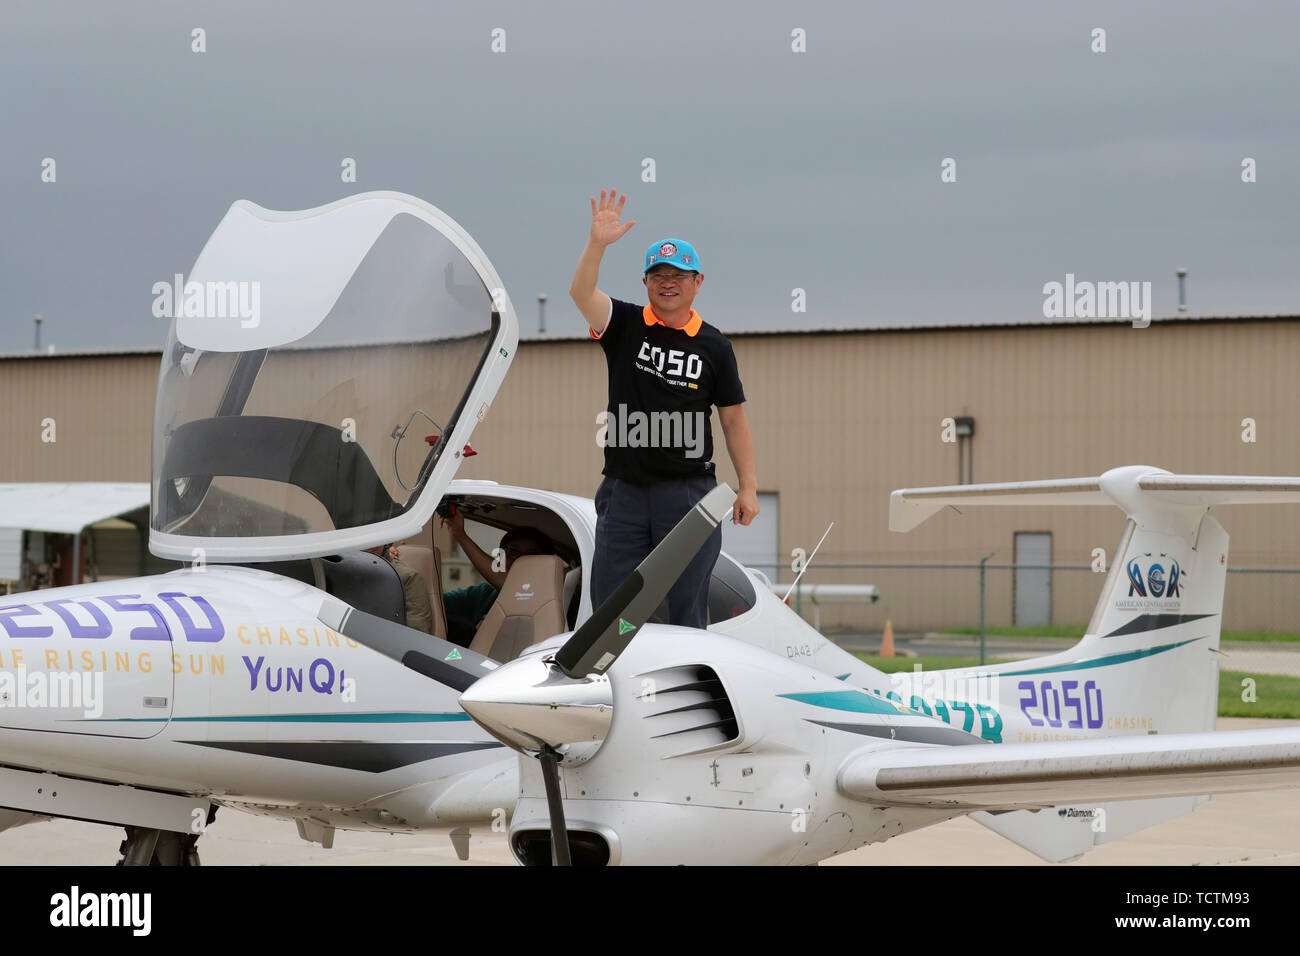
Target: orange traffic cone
887, 642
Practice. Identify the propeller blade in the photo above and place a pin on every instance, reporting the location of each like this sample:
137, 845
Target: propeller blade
456, 667
548, 702
560, 855
595, 646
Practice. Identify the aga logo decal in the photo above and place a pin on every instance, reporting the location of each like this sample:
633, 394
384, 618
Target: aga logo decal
1162, 578
1154, 581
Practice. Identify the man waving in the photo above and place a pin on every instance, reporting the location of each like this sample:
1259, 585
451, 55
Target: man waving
667, 369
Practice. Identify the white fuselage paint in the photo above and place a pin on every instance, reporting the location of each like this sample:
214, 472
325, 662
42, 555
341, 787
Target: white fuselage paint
272, 672
263, 680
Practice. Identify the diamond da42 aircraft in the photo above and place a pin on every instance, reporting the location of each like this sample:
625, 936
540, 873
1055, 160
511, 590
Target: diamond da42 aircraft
277, 675
303, 348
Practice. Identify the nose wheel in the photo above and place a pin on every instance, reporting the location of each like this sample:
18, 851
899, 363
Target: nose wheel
145, 846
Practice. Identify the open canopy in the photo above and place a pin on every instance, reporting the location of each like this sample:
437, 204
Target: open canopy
323, 372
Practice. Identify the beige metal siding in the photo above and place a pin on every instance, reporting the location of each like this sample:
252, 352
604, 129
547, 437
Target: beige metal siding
101, 405
839, 421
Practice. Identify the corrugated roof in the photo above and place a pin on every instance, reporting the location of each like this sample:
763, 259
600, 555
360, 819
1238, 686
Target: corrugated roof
885, 325
943, 324
82, 353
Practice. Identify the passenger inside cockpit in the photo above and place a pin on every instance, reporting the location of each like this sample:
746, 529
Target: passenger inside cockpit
419, 610
466, 607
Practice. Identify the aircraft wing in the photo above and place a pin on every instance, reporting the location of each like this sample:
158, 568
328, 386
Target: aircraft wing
1028, 775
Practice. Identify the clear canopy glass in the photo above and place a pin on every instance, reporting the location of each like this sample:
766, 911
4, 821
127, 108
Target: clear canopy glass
314, 371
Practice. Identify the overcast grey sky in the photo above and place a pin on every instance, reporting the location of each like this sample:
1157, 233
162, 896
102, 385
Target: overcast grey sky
818, 170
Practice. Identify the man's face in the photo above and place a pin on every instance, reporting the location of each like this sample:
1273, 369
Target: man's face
518, 549
671, 290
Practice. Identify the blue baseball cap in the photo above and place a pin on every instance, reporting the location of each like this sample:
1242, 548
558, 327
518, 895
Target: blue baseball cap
673, 252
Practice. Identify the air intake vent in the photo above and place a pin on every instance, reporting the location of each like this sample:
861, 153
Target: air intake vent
688, 710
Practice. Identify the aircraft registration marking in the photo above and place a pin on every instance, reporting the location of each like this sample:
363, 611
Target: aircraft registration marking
1044, 701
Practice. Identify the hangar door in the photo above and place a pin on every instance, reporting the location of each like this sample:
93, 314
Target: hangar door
1032, 584
755, 545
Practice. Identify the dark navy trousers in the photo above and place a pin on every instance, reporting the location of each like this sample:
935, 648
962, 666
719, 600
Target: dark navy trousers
631, 519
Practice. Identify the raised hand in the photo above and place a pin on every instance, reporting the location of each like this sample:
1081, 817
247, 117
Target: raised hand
455, 525
605, 226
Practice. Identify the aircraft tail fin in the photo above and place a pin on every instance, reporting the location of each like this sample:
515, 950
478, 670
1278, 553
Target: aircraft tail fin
1155, 629
1148, 661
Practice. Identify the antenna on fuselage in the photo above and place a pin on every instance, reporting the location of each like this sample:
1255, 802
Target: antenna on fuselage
808, 562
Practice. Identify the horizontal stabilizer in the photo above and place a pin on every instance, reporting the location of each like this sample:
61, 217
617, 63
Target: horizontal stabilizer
1210, 490
1134, 488
909, 507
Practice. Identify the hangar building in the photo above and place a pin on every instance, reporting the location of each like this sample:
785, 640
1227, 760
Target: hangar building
840, 418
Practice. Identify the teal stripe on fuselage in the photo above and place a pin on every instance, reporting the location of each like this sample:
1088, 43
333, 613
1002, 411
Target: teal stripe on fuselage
855, 701
1098, 662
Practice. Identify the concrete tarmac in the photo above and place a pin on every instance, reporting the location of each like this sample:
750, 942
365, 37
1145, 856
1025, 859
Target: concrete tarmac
1240, 829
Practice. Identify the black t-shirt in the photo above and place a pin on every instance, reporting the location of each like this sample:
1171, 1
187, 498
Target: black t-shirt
663, 383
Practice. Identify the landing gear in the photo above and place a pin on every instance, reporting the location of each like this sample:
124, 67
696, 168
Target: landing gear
144, 846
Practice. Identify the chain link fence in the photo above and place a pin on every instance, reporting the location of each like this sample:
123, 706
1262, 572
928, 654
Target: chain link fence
1023, 601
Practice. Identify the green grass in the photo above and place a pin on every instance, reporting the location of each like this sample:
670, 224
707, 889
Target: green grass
1076, 632
1259, 636
1277, 696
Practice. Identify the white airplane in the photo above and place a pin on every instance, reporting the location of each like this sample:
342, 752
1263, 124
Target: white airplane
304, 347
277, 676
662, 745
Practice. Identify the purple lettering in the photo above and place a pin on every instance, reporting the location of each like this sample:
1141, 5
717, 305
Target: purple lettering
159, 632
252, 670
100, 629
1053, 718
1089, 689
1029, 702
321, 687
215, 630
7, 615
279, 675
293, 676
1071, 701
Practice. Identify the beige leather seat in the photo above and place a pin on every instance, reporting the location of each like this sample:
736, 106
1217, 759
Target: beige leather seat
527, 610
428, 561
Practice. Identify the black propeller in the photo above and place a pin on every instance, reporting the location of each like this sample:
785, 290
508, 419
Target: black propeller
537, 706
456, 667
595, 646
